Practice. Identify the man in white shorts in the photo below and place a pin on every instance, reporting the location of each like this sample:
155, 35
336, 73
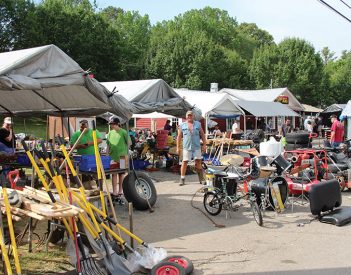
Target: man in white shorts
191, 132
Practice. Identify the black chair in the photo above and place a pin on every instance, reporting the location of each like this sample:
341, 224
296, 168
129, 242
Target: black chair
325, 201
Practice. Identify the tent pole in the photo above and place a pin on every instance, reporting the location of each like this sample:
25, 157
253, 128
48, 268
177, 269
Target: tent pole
245, 124
206, 125
62, 129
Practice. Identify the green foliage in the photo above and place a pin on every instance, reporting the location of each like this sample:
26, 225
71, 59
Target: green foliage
197, 48
340, 78
192, 50
134, 32
293, 63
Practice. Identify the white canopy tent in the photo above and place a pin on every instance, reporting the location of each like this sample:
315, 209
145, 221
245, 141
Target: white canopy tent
212, 104
265, 95
153, 95
262, 109
44, 80
346, 115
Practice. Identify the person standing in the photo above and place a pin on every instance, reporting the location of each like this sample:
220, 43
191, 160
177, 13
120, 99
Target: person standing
117, 147
337, 132
236, 131
167, 126
86, 143
191, 132
85, 147
7, 136
286, 127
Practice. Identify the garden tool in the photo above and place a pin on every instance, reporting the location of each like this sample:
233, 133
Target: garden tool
86, 264
149, 253
114, 264
12, 232
46, 186
5, 256
98, 168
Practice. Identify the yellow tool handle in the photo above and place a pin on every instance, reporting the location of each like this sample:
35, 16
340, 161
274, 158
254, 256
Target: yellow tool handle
4, 254
98, 168
46, 186
81, 188
12, 233
97, 210
97, 155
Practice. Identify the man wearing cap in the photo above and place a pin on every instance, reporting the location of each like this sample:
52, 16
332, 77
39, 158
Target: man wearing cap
7, 137
337, 132
117, 147
86, 143
191, 132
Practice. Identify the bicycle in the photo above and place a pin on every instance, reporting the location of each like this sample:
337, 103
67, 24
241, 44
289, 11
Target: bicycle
218, 197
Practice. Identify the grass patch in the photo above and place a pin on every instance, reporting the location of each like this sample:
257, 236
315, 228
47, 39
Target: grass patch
40, 262
37, 126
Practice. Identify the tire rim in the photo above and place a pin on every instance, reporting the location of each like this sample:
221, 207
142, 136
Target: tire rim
212, 203
143, 188
167, 270
179, 261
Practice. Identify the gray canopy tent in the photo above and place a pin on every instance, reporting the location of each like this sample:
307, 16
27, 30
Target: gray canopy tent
44, 80
153, 95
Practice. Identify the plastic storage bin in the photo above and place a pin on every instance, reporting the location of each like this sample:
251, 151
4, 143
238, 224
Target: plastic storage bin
87, 163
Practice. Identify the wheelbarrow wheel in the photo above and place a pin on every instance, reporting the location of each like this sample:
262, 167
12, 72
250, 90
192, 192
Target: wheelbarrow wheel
168, 268
139, 191
183, 261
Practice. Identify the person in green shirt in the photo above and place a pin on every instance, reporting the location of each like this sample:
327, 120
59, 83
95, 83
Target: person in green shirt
117, 147
86, 143
85, 147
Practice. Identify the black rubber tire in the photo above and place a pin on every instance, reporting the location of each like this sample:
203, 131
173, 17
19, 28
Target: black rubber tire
183, 261
209, 198
136, 194
298, 138
173, 268
256, 211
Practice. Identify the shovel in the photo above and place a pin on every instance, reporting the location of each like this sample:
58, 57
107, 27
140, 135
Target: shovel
113, 262
149, 255
12, 233
86, 265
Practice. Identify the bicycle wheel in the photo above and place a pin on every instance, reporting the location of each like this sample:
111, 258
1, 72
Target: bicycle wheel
256, 212
212, 203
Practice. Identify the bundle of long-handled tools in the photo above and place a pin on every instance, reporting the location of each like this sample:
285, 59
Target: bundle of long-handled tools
99, 225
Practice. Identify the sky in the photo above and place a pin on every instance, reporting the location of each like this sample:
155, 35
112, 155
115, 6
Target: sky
306, 19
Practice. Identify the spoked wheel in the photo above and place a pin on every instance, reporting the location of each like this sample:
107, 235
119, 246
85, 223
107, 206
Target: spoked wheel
168, 268
183, 261
212, 203
256, 212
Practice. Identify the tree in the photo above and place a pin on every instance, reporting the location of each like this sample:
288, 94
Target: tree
260, 37
197, 48
16, 17
340, 78
327, 55
293, 64
80, 32
134, 31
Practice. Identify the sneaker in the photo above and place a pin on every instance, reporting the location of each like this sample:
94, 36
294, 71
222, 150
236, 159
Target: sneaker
182, 182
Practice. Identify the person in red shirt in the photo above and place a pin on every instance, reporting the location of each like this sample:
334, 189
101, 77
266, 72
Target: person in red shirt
337, 132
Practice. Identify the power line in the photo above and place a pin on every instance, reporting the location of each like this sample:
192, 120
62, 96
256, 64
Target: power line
345, 4
330, 7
